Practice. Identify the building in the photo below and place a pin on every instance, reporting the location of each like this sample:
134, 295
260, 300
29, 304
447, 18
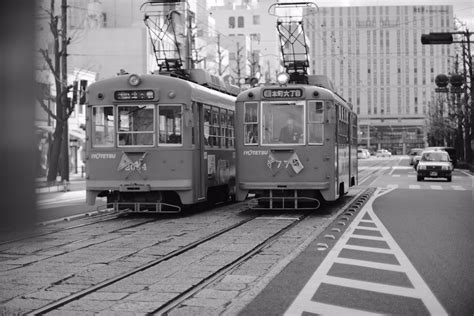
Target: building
375, 58
250, 35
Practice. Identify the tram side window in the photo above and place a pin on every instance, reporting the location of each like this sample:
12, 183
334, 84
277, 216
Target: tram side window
251, 123
214, 139
223, 127
103, 131
207, 124
343, 128
136, 125
316, 122
230, 129
354, 129
170, 124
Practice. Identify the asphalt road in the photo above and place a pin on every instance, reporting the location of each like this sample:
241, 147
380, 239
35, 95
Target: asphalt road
409, 251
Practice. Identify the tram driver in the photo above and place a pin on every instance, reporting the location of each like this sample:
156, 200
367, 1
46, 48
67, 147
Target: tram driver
290, 133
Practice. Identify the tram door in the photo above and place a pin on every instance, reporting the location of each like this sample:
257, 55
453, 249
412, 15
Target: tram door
200, 165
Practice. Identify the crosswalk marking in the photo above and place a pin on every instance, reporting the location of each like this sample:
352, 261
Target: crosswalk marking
372, 286
366, 237
367, 249
369, 264
367, 228
306, 302
427, 186
337, 310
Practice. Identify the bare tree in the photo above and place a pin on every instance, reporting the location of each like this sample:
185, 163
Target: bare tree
56, 62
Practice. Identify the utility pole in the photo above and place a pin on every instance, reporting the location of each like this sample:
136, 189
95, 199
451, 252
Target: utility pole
64, 99
238, 64
219, 54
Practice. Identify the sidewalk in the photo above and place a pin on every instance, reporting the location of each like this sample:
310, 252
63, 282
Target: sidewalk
76, 183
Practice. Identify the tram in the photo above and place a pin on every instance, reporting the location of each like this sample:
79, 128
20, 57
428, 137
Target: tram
296, 145
156, 142
296, 141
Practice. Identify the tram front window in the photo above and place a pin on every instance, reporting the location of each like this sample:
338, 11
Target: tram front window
170, 124
103, 130
136, 125
283, 123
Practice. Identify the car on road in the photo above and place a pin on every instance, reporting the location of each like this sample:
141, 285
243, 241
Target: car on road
363, 153
434, 163
383, 153
451, 151
413, 153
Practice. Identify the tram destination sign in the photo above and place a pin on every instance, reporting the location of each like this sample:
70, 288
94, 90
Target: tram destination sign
134, 95
283, 93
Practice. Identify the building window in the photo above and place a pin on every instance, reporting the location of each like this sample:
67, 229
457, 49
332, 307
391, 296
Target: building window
256, 19
231, 22
240, 21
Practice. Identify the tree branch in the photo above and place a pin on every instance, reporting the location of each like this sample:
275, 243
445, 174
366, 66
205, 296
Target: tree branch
45, 107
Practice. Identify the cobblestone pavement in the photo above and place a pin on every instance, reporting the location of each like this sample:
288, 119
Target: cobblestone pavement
38, 272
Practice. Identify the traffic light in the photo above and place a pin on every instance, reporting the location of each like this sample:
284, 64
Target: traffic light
75, 85
82, 91
436, 38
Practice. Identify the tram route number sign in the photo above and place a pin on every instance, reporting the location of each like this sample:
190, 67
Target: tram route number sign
134, 95
283, 93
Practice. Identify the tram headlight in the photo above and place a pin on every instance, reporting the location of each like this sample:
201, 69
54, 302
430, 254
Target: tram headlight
134, 80
283, 78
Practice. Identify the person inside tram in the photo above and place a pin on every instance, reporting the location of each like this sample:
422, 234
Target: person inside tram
290, 133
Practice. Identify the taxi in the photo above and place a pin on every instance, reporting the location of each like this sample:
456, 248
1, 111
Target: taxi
434, 164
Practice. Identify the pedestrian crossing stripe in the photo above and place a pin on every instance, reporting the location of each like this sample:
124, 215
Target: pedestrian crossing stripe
427, 187
305, 301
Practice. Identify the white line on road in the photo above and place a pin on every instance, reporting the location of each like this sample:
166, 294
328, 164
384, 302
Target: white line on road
369, 264
304, 302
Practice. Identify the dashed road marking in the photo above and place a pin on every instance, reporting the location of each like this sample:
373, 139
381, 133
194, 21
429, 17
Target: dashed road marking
458, 188
306, 300
414, 186
436, 187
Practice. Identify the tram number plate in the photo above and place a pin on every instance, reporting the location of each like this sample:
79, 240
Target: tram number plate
433, 174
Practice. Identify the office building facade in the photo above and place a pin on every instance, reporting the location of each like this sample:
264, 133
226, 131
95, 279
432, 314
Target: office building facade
374, 56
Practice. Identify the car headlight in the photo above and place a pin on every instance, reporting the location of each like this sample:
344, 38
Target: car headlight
421, 167
445, 167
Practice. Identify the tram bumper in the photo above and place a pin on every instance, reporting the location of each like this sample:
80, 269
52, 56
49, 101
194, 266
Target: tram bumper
285, 196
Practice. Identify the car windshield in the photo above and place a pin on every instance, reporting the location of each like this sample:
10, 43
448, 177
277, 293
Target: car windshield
435, 156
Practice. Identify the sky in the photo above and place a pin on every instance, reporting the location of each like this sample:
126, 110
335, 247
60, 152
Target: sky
463, 9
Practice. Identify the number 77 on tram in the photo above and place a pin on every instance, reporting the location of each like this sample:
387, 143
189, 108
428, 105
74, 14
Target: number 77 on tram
296, 145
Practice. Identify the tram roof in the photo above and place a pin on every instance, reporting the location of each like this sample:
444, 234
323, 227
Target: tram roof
195, 91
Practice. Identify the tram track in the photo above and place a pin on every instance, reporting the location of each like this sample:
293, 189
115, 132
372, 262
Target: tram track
103, 219
55, 231
57, 304
219, 272
102, 216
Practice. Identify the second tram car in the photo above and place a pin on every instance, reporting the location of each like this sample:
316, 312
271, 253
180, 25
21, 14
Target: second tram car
157, 142
296, 144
